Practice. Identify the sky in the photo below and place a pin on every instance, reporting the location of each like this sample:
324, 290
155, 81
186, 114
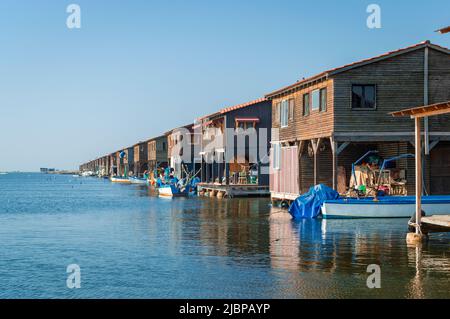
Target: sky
136, 69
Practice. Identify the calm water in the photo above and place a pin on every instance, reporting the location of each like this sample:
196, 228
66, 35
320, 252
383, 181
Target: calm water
131, 244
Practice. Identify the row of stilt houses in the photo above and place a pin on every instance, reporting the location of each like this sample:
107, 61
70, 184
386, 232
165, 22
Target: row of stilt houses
313, 132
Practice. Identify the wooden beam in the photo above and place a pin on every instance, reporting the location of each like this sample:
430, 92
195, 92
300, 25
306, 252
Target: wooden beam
315, 145
334, 149
342, 147
300, 144
431, 113
418, 159
433, 144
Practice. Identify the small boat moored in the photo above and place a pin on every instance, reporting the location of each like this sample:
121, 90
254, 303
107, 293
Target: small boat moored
170, 190
137, 180
121, 180
384, 207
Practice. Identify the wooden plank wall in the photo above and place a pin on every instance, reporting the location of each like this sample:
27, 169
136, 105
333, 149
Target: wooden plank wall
316, 124
440, 169
306, 177
439, 87
399, 85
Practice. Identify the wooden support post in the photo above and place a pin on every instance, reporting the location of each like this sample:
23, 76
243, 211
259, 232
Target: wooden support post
219, 167
212, 167
227, 172
202, 169
315, 144
335, 159
299, 158
418, 159
207, 168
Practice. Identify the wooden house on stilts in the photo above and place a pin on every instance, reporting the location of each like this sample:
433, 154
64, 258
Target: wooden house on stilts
326, 122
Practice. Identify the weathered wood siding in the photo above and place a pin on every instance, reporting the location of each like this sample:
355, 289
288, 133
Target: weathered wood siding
399, 84
440, 169
157, 149
316, 124
140, 158
262, 111
439, 87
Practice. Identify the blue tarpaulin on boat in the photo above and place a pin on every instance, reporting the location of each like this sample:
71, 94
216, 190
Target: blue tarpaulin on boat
308, 205
194, 182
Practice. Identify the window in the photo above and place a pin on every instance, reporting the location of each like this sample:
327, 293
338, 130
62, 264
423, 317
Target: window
363, 97
284, 113
276, 155
291, 108
277, 112
306, 104
323, 99
315, 100
245, 124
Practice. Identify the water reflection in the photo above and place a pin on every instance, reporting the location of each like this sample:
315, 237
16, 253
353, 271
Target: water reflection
222, 227
308, 258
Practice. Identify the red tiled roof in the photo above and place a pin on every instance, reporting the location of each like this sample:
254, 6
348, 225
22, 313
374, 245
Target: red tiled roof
359, 63
235, 107
240, 106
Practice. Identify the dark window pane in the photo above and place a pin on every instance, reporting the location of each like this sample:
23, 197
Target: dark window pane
291, 108
305, 104
357, 96
364, 96
369, 96
323, 99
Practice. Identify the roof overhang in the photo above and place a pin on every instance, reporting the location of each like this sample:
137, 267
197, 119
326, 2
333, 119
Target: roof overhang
326, 74
424, 111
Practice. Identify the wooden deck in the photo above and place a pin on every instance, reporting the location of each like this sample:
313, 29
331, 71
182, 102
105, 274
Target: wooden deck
282, 199
232, 190
436, 223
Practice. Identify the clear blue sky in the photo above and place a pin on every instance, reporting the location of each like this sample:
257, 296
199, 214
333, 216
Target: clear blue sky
138, 68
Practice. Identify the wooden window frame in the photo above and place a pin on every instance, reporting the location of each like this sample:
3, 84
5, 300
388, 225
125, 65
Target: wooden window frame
311, 107
291, 106
277, 112
323, 108
363, 108
304, 113
285, 107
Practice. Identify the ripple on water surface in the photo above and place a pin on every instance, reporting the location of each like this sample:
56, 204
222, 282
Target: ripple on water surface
131, 244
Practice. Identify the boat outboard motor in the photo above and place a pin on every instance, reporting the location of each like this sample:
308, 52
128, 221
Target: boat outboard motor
412, 221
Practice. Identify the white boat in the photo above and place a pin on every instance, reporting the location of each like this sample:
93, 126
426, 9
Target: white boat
384, 207
122, 180
87, 174
170, 190
137, 180
3, 173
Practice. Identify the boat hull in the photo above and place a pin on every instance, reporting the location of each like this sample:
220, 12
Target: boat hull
138, 181
171, 191
401, 207
120, 180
